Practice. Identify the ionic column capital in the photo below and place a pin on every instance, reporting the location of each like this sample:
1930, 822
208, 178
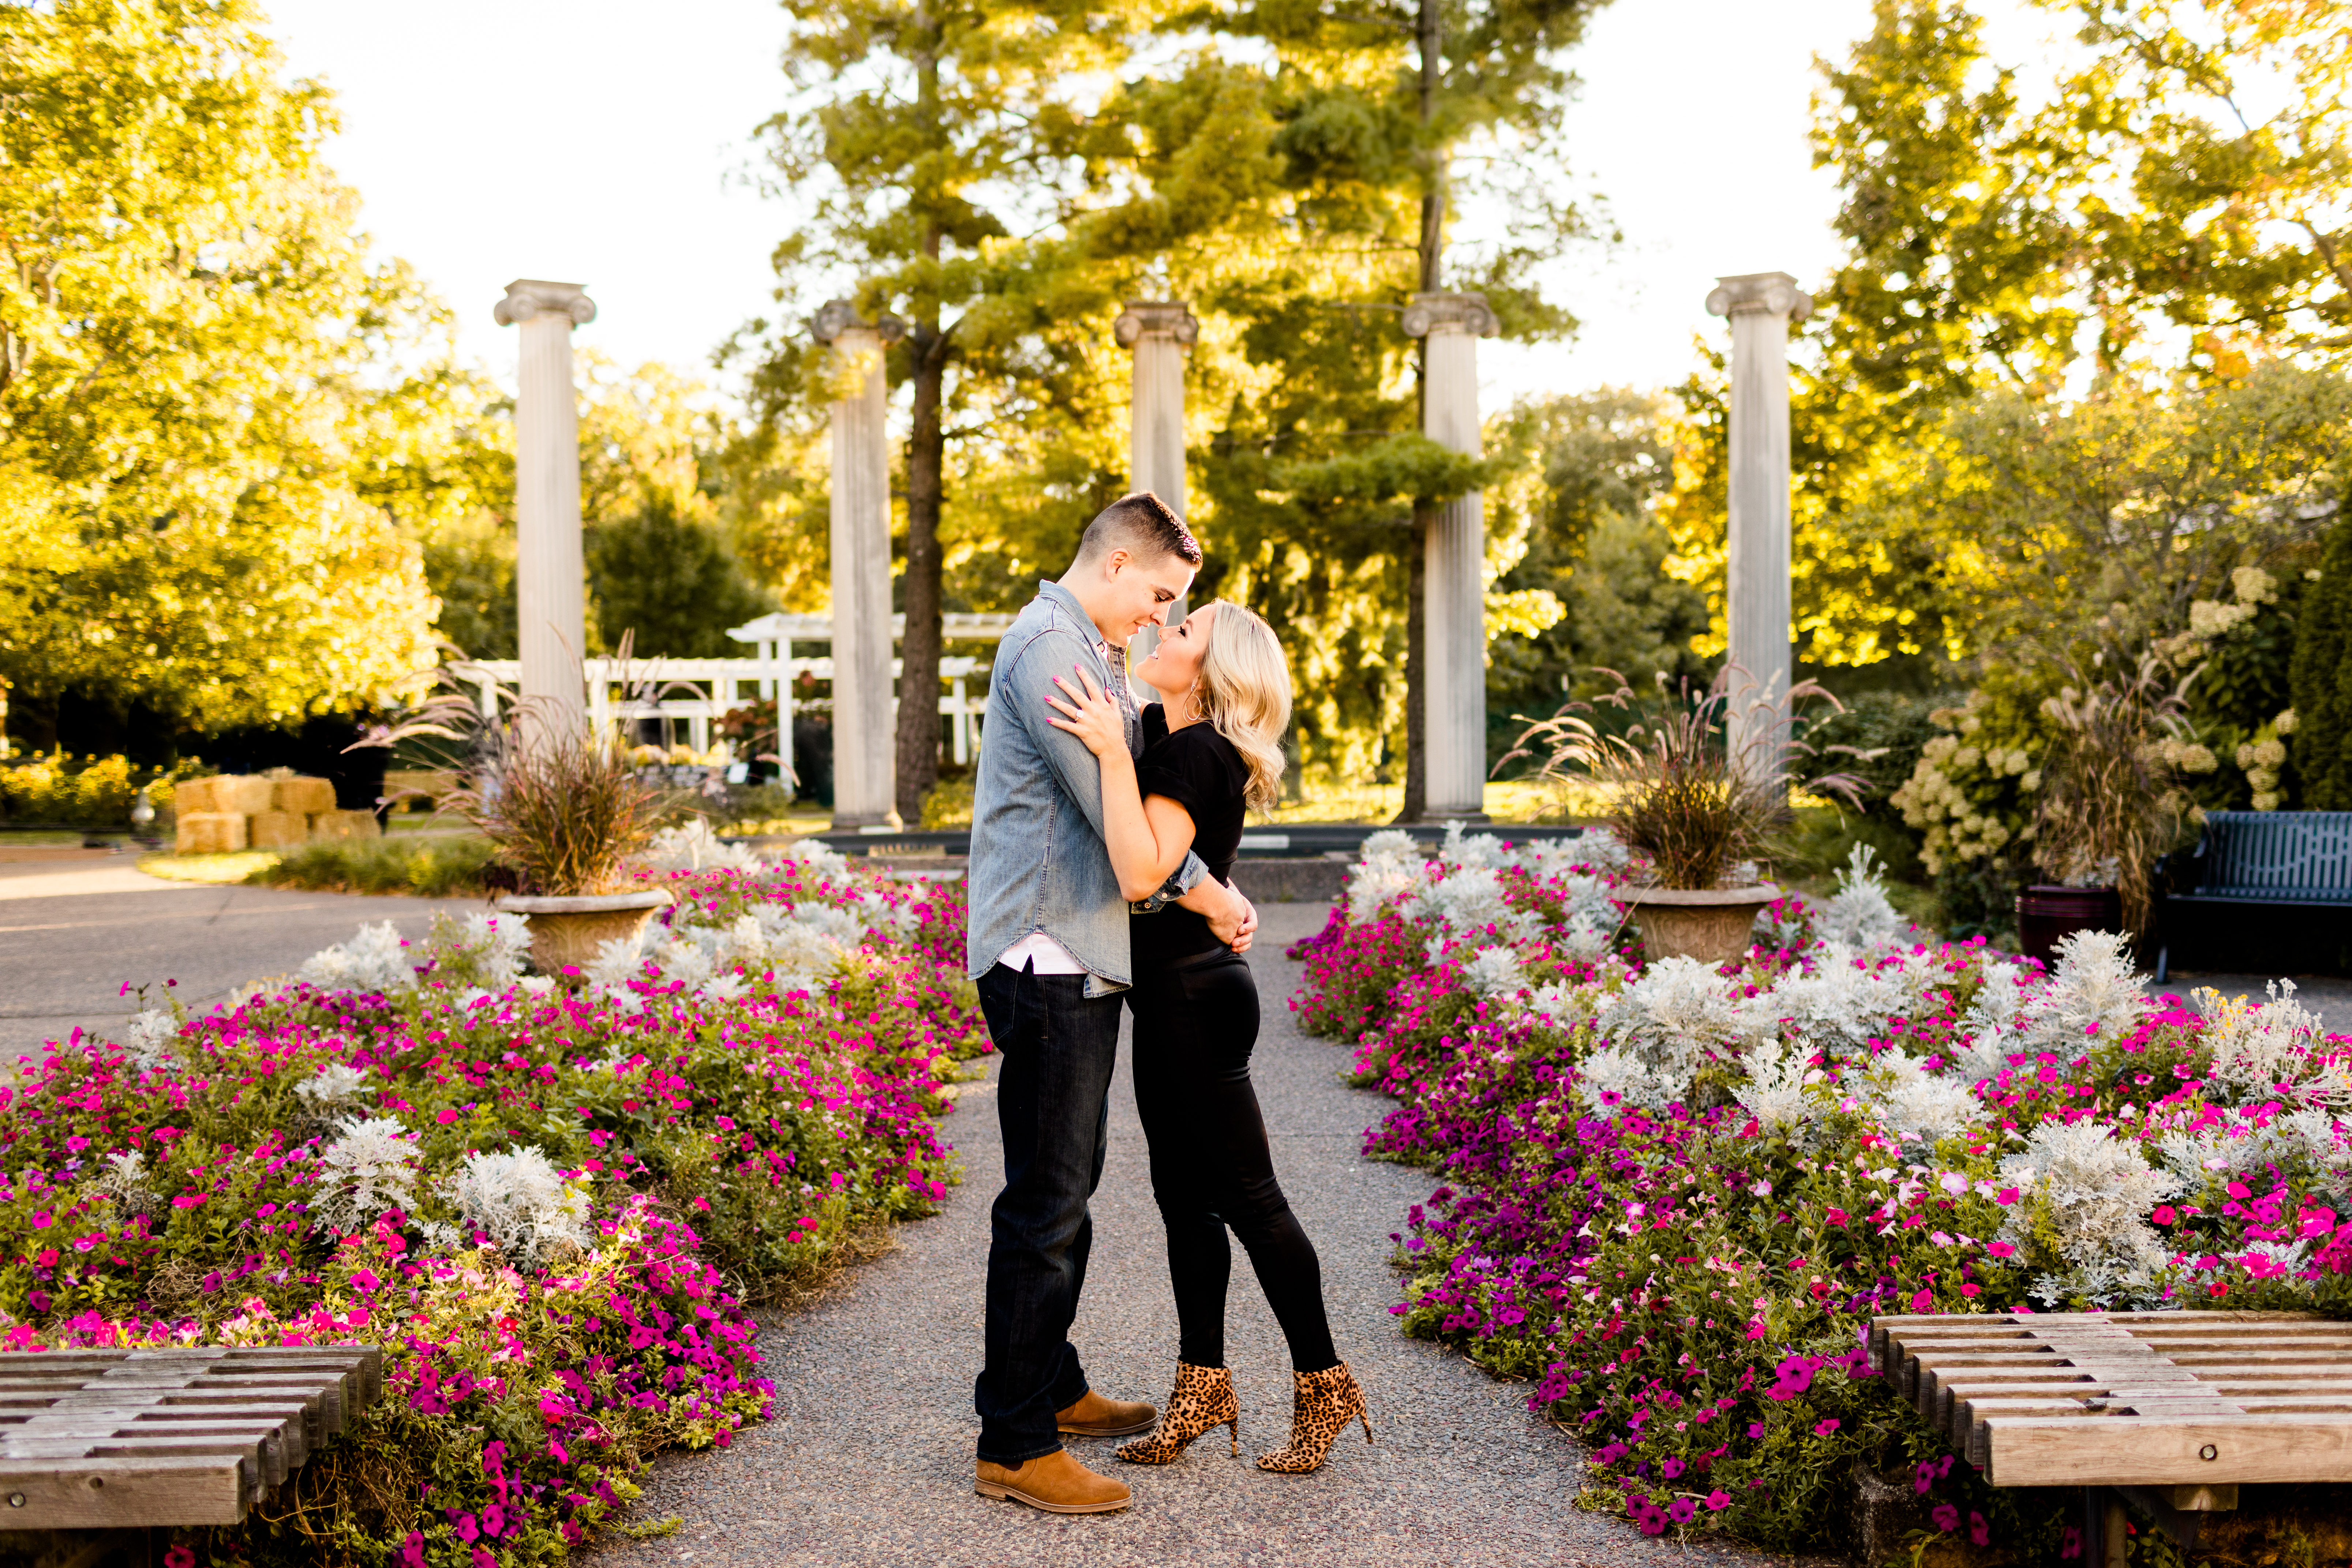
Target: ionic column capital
529, 297
836, 316
1155, 319
1466, 313
1769, 293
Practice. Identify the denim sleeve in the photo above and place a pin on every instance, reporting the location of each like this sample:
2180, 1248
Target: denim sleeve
1075, 769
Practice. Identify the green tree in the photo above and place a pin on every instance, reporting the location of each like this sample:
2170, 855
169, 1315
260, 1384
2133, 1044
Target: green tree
1375, 109
665, 579
930, 131
2321, 679
1594, 543
192, 340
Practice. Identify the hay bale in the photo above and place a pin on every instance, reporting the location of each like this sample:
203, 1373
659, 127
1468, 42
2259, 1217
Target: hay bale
210, 833
191, 795
306, 796
344, 825
246, 794
277, 829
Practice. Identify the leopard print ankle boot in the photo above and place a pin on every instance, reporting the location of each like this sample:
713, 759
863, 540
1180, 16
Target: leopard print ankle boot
1203, 1401
1324, 1404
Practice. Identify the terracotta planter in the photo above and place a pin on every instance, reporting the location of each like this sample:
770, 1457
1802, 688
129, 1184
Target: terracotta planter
2045, 916
1714, 925
568, 931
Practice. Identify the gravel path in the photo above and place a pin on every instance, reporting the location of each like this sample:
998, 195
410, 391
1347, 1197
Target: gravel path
870, 1459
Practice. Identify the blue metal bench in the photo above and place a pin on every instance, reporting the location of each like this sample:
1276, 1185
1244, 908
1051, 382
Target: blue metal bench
2273, 858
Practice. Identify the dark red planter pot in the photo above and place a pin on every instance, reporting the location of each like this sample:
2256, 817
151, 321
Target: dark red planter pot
2046, 915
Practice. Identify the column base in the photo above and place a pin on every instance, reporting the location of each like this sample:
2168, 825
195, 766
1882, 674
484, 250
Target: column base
1440, 817
867, 822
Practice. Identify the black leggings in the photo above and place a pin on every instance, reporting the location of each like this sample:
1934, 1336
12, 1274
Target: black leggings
1195, 1024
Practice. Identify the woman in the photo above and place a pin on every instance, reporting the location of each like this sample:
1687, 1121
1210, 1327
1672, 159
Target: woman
1212, 750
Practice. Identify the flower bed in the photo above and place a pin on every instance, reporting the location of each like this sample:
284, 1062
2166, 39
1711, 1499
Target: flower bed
549, 1199
1673, 1197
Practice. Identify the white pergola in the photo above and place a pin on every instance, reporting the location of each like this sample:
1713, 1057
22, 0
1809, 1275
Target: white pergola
695, 691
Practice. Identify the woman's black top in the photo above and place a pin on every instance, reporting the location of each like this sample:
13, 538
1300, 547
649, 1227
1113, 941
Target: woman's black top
1199, 770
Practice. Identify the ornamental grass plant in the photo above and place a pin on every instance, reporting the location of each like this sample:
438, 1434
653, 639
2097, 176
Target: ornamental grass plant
1672, 1198
551, 1202
2111, 803
563, 805
1678, 786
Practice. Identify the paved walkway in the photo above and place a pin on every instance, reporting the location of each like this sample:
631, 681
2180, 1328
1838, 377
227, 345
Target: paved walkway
869, 1460
71, 935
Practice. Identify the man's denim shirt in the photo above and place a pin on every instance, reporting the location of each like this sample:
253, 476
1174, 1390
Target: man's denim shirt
1037, 857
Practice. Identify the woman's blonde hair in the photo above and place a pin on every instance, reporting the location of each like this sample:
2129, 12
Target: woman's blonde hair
1244, 694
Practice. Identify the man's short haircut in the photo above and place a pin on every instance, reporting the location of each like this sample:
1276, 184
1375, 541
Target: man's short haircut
1142, 525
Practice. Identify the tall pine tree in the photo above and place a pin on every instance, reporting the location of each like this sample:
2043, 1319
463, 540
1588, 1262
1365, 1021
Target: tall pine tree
930, 133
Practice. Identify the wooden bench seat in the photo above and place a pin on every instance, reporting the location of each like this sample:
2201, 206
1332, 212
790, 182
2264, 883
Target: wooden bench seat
116, 1439
2125, 1399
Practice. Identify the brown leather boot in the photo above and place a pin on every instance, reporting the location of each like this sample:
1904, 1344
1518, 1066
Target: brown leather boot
1203, 1401
1095, 1416
1322, 1403
1053, 1482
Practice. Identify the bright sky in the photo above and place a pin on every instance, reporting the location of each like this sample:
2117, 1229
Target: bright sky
609, 144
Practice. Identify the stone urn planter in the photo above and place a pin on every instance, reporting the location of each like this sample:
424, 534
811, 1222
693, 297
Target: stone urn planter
2047, 916
1714, 925
568, 931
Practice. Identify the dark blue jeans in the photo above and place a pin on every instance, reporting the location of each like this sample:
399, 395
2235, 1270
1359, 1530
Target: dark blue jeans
1053, 1103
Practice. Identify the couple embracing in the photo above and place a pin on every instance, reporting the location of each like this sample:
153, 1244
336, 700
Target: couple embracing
1102, 836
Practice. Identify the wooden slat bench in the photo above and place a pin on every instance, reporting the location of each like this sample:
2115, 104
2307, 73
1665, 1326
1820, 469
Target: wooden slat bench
2173, 1409
118, 1439
2300, 861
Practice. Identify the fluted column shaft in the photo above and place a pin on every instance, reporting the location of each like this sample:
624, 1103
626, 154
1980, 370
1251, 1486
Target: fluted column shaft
1159, 331
1756, 596
551, 594
1454, 592
863, 731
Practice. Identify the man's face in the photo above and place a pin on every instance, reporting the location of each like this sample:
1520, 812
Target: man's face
1138, 594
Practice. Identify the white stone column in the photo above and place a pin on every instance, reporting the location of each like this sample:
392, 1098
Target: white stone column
1454, 593
550, 591
1159, 331
1756, 596
863, 737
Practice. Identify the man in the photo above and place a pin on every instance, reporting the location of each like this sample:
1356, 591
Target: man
1048, 947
